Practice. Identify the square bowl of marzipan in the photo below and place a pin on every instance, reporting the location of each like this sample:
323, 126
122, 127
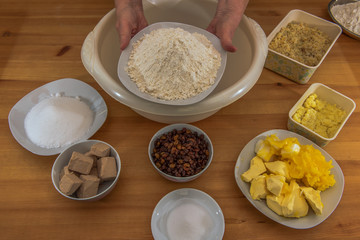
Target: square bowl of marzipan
293, 69
329, 100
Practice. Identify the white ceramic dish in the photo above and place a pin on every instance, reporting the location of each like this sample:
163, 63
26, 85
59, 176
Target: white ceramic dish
131, 85
66, 87
101, 51
329, 95
82, 147
184, 195
180, 126
330, 197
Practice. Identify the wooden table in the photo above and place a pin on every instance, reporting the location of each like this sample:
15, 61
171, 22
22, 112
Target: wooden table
40, 41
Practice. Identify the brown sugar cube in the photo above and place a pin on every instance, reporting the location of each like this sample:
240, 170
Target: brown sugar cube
94, 172
66, 170
80, 163
95, 158
106, 168
100, 150
69, 183
89, 187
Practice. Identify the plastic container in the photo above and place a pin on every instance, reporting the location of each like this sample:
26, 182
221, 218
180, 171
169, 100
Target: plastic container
288, 67
329, 95
100, 54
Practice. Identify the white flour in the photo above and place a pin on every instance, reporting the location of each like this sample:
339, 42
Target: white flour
348, 15
58, 121
173, 64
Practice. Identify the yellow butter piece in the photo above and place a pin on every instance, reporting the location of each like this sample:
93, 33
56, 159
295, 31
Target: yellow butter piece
258, 188
257, 168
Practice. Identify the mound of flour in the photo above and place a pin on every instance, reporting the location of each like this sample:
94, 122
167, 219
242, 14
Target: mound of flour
171, 63
348, 15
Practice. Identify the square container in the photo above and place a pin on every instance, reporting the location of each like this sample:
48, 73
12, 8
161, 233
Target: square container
329, 95
288, 67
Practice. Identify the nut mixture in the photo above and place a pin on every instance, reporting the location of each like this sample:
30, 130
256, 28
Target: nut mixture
181, 153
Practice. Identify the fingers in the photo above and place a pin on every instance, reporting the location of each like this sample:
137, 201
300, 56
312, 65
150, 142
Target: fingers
226, 41
124, 36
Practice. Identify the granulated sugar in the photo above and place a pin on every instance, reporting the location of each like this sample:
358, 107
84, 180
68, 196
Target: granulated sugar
58, 121
172, 63
188, 221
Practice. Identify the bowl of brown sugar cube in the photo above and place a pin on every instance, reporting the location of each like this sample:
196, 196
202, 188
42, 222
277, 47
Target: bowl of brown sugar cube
180, 152
87, 170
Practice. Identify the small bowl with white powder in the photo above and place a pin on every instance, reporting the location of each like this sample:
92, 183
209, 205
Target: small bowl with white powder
346, 13
172, 63
56, 115
187, 213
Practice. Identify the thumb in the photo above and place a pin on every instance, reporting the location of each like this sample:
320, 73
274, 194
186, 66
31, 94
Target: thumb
226, 43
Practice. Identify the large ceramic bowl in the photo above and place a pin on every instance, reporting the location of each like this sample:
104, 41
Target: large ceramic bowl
101, 51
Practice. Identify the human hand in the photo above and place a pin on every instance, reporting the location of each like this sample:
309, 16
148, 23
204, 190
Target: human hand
130, 20
226, 20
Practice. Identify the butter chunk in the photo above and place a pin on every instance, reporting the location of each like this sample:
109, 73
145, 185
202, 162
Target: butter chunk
100, 150
69, 183
274, 203
275, 183
278, 168
314, 199
257, 168
258, 188
90, 186
294, 203
106, 168
80, 163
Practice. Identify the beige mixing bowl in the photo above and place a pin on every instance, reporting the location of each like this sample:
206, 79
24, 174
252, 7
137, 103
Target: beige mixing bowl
100, 55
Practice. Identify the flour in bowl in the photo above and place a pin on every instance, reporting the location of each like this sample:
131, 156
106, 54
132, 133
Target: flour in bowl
173, 64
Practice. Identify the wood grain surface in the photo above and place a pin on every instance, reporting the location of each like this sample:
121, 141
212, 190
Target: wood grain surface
40, 41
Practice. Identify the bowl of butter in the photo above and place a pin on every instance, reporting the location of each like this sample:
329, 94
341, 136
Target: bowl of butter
320, 114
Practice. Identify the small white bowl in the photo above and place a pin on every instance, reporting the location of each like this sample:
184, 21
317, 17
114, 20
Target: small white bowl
131, 85
288, 67
329, 95
187, 195
82, 147
67, 87
180, 126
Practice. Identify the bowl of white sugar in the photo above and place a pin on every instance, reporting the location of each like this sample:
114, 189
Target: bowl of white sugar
56, 115
172, 63
187, 213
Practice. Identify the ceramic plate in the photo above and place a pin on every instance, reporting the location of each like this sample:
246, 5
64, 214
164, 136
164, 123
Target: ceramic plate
185, 195
131, 85
330, 197
66, 87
